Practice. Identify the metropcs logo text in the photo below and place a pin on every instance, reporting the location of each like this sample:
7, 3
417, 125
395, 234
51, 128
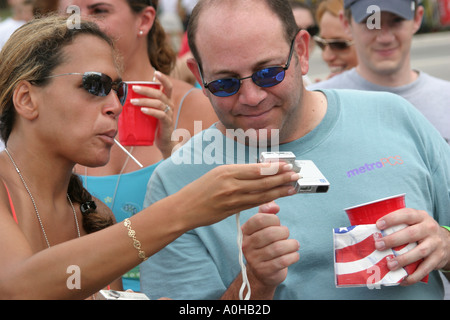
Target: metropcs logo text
367, 167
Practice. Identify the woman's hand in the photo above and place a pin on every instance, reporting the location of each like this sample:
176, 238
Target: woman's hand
159, 105
229, 189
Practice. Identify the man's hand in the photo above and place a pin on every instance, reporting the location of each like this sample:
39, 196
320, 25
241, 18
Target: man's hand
433, 242
267, 249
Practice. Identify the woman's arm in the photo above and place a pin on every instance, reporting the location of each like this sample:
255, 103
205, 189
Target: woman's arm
103, 256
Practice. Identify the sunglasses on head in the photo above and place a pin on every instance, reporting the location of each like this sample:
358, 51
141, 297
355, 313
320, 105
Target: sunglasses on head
265, 78
312, 30
335, 44
100, 84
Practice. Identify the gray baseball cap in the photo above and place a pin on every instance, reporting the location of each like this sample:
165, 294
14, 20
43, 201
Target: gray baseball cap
402, 8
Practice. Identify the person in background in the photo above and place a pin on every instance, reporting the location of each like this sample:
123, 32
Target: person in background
383, 40
337, 46
44, 7
188, 6
181, 70
147, 56
170, 18
304, 18
22, 11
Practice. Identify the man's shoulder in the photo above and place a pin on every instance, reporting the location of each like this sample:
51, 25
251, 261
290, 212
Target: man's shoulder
343, 80
357, 96
186, 157
435, 82
364, 104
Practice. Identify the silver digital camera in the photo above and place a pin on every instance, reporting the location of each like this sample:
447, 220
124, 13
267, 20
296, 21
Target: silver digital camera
311, 179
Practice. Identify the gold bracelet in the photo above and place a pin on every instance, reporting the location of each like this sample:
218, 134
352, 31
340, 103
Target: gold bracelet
136, 242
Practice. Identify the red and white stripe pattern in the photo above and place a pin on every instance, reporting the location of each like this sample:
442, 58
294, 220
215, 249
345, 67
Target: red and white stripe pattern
358, 263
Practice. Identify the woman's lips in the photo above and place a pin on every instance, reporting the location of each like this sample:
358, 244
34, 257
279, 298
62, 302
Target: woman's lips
108, 136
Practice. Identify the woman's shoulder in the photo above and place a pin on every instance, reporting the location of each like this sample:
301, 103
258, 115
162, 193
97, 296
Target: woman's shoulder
181, 88
192, 98
191, 105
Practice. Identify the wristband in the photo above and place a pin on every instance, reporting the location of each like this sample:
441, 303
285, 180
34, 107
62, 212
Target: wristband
448, 229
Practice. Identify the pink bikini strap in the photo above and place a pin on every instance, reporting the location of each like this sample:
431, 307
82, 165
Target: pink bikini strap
11, 204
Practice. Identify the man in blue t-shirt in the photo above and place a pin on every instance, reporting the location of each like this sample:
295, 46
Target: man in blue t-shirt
368, 145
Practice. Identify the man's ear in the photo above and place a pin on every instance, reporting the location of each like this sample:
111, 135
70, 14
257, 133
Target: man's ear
345, 23
23, 101
193, 66
418, 18
301, 47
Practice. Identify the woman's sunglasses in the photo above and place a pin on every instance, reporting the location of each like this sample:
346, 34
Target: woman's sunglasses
100, 84
265, 78
335, 44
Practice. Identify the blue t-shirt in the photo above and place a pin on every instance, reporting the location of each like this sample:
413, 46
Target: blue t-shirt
369, 146
124, 194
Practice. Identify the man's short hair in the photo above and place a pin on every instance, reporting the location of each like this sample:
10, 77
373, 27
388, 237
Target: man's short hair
280, 7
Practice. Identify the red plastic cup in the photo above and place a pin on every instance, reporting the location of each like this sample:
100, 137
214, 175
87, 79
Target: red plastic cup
370, 212
135, 127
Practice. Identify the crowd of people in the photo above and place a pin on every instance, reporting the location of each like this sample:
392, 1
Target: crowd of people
168, 229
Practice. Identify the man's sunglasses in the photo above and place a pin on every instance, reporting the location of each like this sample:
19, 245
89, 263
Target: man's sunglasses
265, 78
335, 44
100, 84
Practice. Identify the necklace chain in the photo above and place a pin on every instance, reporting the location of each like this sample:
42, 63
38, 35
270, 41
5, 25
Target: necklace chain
34, 203
118, 178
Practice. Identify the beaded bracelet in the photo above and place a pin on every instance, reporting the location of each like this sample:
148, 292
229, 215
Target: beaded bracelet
136, 242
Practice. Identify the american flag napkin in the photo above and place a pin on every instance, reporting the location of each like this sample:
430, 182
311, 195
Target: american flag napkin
358, 263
